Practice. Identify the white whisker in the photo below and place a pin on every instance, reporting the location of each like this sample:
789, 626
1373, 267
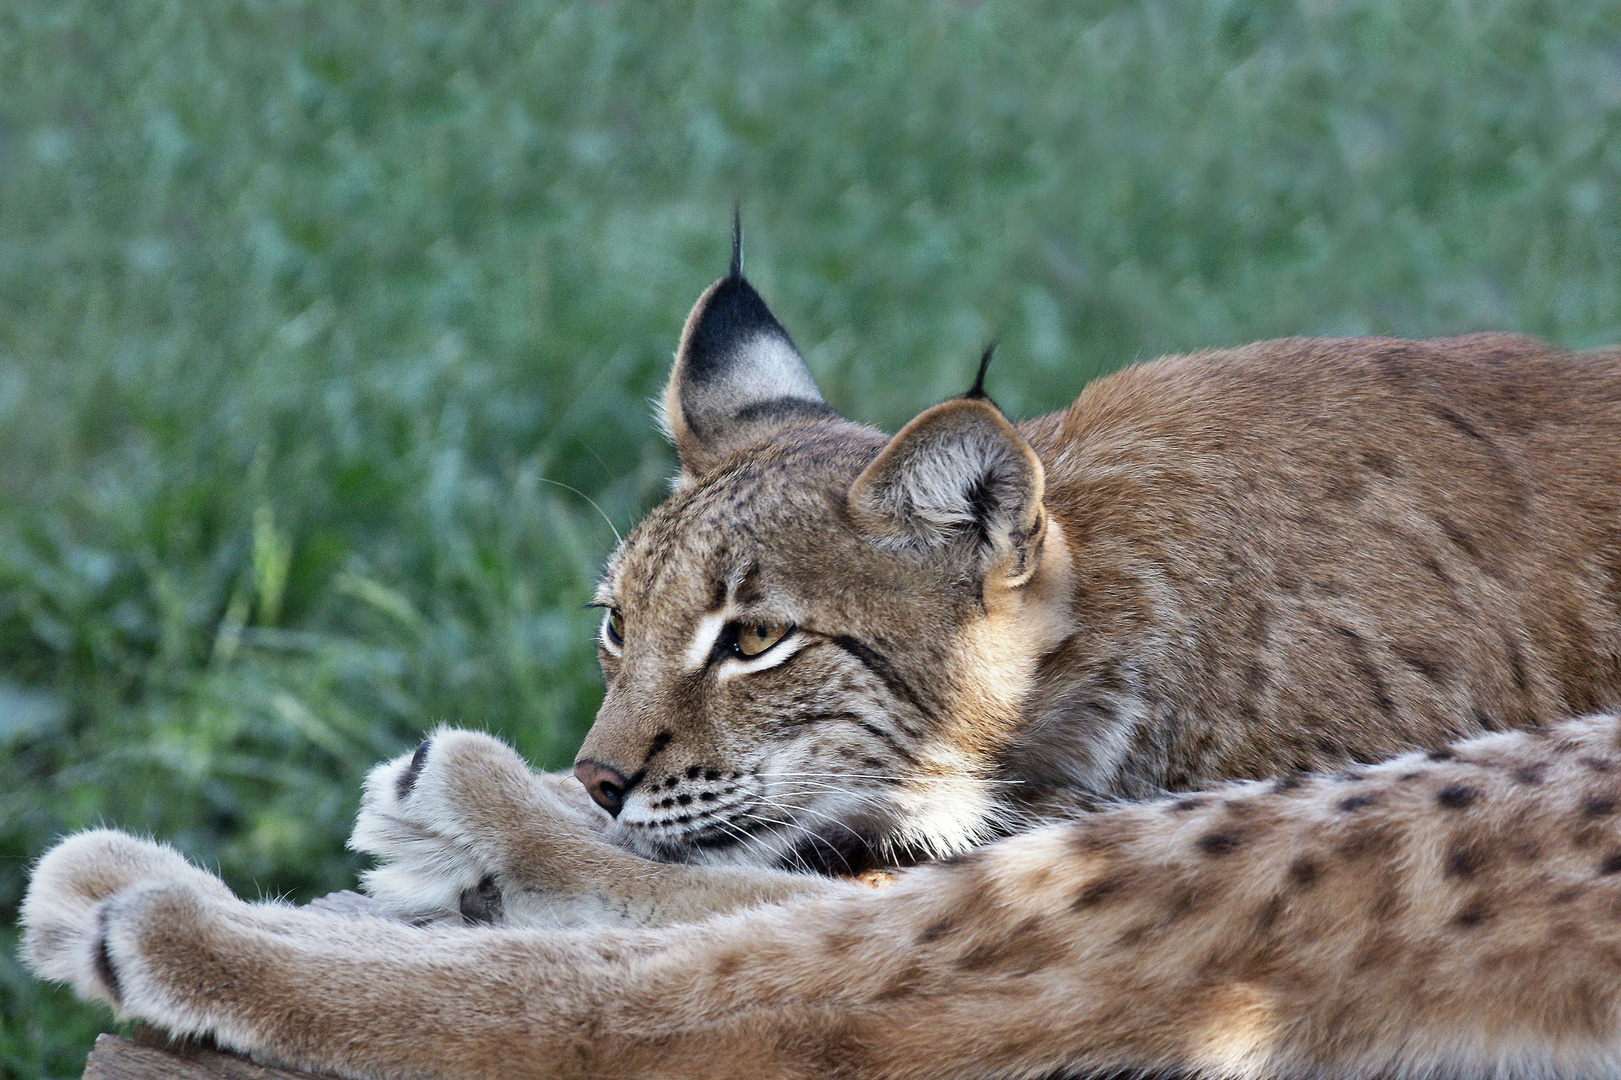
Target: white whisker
833, 775
814, 836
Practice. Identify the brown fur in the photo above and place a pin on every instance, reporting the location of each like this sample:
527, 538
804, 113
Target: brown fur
1305, 552
1300, 555
1383, 925
1234, 564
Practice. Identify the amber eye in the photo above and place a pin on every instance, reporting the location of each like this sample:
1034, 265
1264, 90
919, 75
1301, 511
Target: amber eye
754, 640
613, 627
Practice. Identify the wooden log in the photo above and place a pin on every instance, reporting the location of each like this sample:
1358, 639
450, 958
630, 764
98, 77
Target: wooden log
152, 1055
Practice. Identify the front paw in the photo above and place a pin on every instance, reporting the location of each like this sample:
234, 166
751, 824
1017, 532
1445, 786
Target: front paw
433, 820
70, 904
462, 825
421, 873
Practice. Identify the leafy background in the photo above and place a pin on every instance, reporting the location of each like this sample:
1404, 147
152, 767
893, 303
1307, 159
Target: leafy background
307, 309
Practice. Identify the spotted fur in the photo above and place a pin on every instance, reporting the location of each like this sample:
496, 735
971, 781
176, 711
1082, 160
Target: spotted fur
1266, 591
1444, 915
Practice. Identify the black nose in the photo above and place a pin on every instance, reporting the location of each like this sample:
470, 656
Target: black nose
605, 784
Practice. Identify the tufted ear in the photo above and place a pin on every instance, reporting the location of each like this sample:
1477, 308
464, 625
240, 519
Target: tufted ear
737, 375
958, 478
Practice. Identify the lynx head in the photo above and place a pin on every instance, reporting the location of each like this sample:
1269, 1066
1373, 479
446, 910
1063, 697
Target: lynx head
815, 647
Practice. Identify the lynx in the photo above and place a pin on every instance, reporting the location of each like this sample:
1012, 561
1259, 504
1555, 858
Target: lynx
1222, 710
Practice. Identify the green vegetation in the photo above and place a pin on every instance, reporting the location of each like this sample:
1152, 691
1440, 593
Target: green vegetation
307, 308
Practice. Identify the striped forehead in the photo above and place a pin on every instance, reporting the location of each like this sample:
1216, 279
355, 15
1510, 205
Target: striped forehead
695, 548
693, 543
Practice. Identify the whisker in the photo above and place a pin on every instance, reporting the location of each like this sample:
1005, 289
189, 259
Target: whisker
793, 853
744, 837
868, 797
569, 487
818, 838
821, 814
830, 775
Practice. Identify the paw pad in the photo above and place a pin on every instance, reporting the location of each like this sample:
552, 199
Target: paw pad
481, 904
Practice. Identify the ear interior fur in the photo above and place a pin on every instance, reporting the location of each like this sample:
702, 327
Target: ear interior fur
957, 476
737, 377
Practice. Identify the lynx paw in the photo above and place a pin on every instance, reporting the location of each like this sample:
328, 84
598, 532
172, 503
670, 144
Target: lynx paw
447, 823
76, 900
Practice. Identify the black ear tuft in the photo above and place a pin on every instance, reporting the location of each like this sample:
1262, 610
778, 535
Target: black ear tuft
736, 273
977, 391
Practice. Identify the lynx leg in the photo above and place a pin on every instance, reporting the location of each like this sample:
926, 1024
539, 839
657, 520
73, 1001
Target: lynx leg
1451, 915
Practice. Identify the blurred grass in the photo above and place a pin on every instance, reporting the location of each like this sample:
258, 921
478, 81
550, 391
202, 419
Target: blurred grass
304, 307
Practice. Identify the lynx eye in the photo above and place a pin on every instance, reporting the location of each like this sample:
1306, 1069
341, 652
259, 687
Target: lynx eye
754, 640
613, 628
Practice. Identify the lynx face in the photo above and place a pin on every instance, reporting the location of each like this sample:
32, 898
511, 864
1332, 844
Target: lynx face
814, 649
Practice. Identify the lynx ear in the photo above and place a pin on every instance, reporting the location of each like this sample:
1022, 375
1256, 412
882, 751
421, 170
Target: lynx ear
958, 476
737, 376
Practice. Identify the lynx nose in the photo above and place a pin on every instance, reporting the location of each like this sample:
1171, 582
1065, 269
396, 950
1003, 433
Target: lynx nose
605, 784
